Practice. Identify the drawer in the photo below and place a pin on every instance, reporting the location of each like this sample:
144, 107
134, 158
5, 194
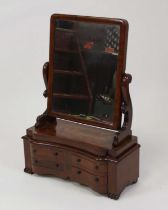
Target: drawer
48, 164
46, 153
49, 171
97, 183
89, 164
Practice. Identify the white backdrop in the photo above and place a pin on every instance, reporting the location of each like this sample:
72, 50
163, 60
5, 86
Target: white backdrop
24, 46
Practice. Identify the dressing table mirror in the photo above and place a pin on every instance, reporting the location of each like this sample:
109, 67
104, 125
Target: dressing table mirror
85, 133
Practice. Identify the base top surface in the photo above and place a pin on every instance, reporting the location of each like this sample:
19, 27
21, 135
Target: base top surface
92, 139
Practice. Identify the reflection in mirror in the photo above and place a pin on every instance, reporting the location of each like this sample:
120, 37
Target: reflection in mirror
85, 62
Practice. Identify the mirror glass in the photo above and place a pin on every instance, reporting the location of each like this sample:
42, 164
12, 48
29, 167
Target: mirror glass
85, 63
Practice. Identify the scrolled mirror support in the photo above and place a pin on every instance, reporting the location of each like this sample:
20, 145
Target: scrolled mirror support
45, 77
126, 108
44, 119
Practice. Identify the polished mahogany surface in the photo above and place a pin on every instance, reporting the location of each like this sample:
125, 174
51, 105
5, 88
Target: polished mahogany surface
91, 139
83, 154
80, 136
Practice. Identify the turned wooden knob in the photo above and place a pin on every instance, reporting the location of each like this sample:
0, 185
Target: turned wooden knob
56, 153
57, 165
34, 150
79, 172
96, 167
97, 179
78, 160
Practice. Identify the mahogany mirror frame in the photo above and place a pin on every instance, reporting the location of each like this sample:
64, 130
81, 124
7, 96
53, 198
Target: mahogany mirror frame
115, 124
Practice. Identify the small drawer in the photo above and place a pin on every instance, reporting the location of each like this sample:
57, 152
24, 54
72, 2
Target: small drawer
37, 162
49, 171
46, 152
94, 166
97, 183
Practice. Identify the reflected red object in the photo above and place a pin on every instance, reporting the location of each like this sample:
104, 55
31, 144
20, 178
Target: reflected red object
88, 45
109, 49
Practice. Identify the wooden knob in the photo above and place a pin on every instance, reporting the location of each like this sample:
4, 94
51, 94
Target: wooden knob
78, 160
97, 167
97, 179
36, 161
57, 165
56, 153
79, 172
34, 150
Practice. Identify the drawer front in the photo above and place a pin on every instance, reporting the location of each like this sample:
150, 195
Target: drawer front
48, 164
91, 165
97, 183
49, 171
46, 156
46, 152
60, 162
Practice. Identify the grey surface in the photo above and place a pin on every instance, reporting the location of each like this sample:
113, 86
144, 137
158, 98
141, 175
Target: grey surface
24, 42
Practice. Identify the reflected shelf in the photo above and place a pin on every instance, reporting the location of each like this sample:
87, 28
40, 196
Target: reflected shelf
65, 30
63, 50
68, 72
71, 96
